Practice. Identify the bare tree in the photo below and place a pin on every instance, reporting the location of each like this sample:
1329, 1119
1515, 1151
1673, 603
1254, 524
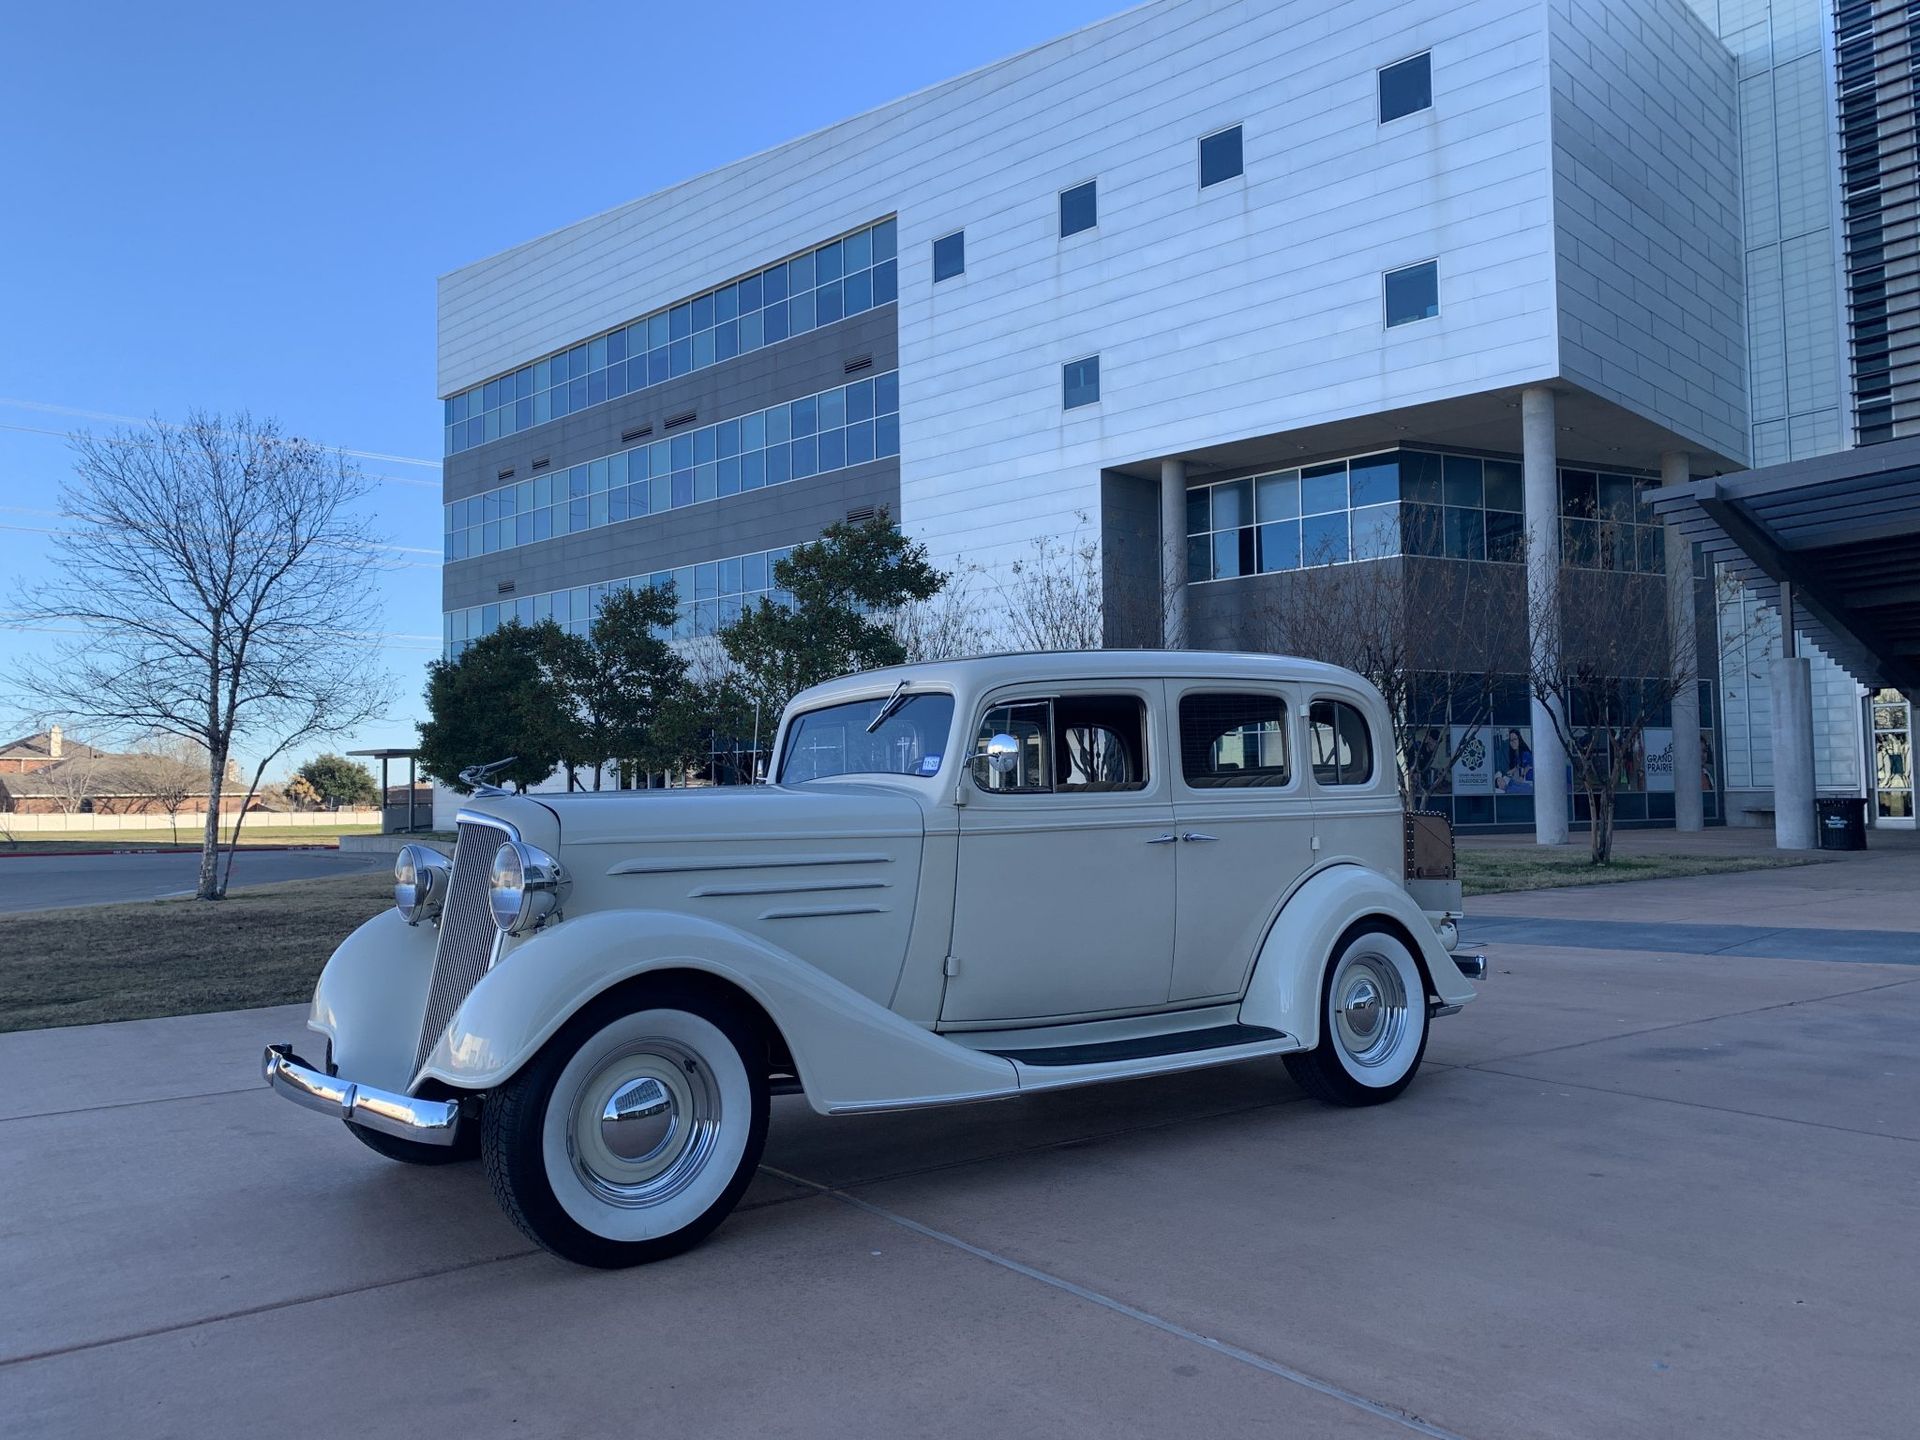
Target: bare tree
1054, 594
165, 771
73, 783
946, 625
1616, 658
220, 572
1423, 630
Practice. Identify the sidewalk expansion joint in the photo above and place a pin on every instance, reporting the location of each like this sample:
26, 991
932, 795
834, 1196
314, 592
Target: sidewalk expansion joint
1693, 1104
1327, 1388
265, 1309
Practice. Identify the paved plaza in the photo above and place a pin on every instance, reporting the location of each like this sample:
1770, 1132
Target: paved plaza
1645, 1186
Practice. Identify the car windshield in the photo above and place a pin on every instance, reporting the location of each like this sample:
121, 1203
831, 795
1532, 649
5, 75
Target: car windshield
834, 740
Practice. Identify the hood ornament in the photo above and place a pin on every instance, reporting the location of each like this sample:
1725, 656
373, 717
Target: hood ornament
479, 778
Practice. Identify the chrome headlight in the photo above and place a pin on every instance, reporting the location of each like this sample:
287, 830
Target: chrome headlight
525, 887
420, 877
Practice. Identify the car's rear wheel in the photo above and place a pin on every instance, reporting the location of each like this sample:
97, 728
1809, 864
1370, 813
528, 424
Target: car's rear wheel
635, 1130
412, 1152
1373, 1021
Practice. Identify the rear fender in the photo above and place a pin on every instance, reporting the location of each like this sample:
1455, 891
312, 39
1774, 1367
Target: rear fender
1284, 993
850, 1053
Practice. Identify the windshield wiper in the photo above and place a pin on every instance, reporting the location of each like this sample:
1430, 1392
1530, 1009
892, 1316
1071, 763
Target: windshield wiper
894, 702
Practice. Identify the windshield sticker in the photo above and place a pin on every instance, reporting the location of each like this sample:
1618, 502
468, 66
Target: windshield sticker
929, 764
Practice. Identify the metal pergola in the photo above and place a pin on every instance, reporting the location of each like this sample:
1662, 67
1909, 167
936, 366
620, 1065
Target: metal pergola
412, 757
1831, 543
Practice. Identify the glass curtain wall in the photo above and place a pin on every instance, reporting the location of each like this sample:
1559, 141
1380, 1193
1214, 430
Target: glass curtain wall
1431, 502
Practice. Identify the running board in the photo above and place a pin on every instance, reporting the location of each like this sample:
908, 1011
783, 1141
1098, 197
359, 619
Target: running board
1144, 1047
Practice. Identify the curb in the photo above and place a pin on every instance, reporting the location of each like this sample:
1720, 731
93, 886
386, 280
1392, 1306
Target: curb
147, 850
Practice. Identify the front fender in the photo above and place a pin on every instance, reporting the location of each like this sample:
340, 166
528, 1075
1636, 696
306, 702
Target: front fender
370, 998
850, 1053
1284, 993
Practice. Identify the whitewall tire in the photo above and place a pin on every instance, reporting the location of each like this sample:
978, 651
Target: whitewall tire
635, 1130
1373, 1021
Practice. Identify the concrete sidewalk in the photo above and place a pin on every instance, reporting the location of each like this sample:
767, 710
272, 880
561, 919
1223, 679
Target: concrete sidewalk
1635, 1193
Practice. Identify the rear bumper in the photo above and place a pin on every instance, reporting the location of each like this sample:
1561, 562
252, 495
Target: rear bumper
405, 1117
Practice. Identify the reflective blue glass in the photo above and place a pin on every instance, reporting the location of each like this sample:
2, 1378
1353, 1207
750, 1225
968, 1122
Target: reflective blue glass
1220, 157
1080, 382
1323, 539
1413, 293
1323, 488
949, 256
1079, 209
1406, 87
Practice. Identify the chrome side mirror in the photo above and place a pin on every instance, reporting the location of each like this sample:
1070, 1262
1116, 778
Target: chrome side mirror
1001, 757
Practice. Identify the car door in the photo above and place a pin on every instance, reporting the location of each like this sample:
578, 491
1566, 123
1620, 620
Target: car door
1245, 820
1064, 887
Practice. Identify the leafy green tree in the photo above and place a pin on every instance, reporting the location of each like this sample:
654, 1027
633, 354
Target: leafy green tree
856, 571
338, 781
708, 724
619, 680
500, 698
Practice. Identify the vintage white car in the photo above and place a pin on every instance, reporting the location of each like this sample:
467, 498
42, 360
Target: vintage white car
965, 881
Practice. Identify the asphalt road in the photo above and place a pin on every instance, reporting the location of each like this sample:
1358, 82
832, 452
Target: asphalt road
51, 882
1632, 1194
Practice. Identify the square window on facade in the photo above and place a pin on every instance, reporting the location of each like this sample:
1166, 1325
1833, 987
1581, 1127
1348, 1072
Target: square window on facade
1080, 382
949, 256
1079, 209
1413, 293
1220, 157
1406, 87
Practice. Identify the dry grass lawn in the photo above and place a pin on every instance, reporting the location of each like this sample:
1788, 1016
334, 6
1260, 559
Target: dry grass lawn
63, 842
1489, 871
263, 945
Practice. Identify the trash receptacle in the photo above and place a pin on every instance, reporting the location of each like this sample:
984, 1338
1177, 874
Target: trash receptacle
1842, 823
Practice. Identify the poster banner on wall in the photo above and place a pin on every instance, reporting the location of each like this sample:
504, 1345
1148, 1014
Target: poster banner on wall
1513, 761
1660, 761
1473, 762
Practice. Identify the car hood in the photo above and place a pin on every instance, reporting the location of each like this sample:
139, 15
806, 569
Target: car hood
732, 813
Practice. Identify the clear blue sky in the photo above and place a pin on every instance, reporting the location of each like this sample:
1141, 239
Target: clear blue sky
246, 207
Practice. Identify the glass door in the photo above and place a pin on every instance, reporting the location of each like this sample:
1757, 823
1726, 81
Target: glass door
1892, 758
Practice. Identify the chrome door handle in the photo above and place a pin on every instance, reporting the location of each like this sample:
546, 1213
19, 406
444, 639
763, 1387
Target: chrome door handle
1195, 835
1162, 839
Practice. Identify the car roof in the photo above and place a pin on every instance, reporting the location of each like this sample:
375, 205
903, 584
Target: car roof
1016, 667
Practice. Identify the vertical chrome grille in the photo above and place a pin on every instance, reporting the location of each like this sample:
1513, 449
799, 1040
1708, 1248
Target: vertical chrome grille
467, 933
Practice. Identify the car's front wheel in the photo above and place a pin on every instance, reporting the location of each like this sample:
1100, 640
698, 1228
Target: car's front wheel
635, 1129
1373, 1021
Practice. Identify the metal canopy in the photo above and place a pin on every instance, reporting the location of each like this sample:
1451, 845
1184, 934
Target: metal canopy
1843, 530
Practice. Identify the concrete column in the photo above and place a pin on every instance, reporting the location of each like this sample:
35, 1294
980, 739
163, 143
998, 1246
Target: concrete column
1689, 810
1540, 467
1173, 554
1792, 686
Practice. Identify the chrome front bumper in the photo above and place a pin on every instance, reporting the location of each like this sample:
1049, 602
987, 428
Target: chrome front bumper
406, 1117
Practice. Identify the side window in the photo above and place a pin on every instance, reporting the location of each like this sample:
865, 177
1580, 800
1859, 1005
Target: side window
1342, 750
1077, 744
1032, 726
1231, 741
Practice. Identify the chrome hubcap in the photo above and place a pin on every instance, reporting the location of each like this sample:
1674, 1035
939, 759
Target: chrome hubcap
639, 1119
1369, 1009
644, 1123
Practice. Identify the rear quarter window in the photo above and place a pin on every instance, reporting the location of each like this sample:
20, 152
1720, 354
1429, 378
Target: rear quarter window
1342, 747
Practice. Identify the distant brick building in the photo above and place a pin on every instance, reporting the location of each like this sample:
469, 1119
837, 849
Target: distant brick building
47, 774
